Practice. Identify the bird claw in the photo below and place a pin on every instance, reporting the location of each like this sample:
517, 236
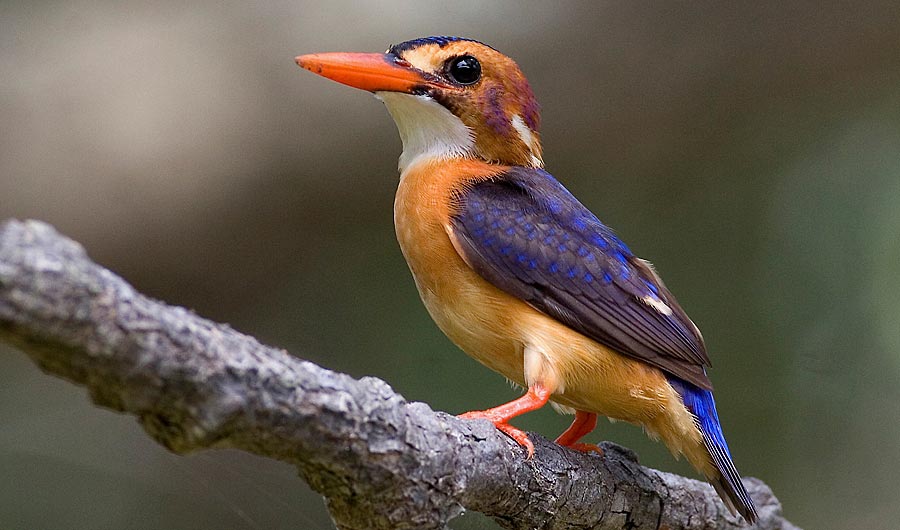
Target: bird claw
480, 415
518, 435
586, 448
535, 398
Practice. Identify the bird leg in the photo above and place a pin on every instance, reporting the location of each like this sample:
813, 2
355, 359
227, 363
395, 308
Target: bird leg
536, 397
583, 424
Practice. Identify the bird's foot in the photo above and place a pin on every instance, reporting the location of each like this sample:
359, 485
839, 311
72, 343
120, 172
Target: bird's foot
520, 436
586, 448
488, 415
535, 398
583, 424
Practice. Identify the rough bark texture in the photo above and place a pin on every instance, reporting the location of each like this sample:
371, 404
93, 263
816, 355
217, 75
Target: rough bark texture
381, 461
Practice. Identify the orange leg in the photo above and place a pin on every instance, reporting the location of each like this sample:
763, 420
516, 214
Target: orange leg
536, 397
583, 424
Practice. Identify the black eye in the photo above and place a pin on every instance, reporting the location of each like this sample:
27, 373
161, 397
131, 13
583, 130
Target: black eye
465, 70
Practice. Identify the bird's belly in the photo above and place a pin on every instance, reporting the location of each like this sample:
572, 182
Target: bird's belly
470, 312
474, 314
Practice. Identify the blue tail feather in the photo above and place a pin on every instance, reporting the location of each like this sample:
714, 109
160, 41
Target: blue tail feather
728, 483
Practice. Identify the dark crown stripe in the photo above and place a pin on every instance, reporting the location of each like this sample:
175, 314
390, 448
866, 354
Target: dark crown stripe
440, 40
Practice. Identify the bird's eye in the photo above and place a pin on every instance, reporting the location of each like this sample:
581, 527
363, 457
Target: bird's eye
465, 69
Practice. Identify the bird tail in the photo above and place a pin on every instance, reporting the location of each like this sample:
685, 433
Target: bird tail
725, 477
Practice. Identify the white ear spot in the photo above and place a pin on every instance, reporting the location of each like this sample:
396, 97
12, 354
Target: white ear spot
527, 138
524, 132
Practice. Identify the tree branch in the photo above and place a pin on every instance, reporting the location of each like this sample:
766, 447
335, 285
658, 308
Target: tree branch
381, 461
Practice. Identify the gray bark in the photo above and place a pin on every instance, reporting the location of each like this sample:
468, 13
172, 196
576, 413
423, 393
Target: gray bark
380, 461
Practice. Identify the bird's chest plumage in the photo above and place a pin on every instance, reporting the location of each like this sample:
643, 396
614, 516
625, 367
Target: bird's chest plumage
474, 314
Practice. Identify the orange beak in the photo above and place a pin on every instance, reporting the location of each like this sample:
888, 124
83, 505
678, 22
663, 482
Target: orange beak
374, 72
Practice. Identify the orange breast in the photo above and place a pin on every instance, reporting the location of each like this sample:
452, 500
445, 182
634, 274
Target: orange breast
469, 310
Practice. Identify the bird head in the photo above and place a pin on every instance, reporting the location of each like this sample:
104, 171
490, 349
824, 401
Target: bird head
450, 97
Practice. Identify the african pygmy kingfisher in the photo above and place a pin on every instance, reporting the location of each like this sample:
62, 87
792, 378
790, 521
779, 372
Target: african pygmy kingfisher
521, 275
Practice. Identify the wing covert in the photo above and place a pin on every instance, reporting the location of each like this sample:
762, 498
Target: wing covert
526, 234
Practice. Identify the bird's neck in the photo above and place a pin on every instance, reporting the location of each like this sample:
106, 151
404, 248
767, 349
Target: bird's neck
428, 130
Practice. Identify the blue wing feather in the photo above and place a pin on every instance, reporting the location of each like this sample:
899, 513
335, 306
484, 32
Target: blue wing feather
526, 234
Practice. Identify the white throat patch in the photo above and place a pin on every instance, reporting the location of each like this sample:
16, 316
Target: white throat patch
427, 129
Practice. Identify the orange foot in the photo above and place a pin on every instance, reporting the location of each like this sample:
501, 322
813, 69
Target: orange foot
583, 424
536, 397
586, 448
520, 436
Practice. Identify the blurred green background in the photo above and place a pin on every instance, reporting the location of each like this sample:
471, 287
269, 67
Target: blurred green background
752, 152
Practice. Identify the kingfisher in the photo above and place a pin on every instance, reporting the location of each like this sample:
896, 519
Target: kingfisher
518, 273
